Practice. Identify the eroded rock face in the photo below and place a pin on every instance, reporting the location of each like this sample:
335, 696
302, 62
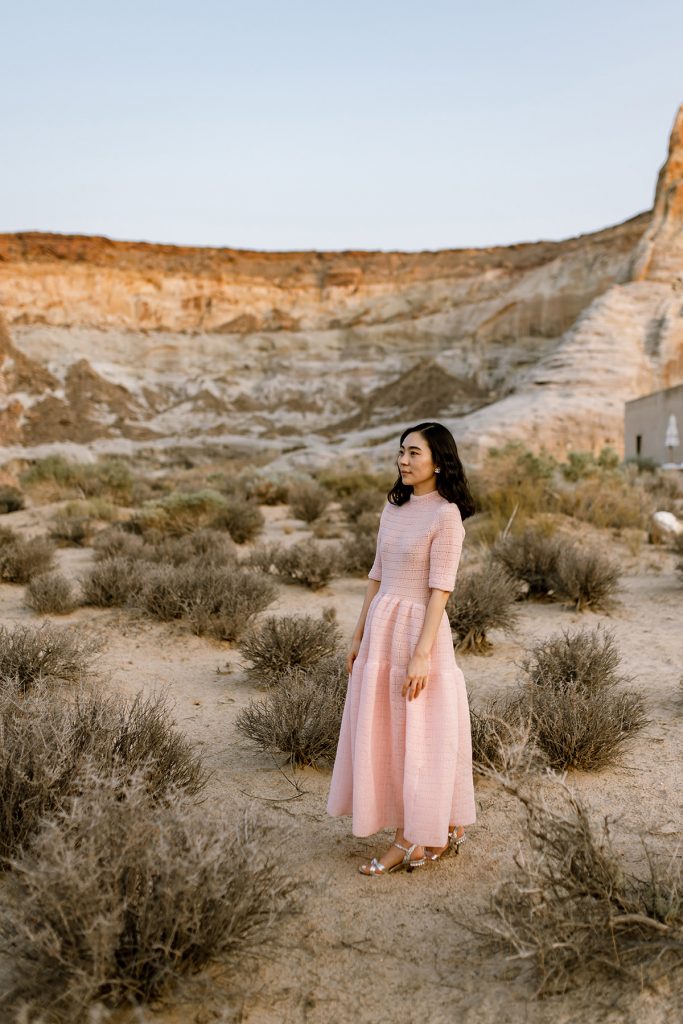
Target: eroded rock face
330, 353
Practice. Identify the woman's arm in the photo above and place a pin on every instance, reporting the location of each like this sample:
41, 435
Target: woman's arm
418, 666
371, 590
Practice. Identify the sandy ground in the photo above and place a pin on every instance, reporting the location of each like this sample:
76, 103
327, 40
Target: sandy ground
399, 948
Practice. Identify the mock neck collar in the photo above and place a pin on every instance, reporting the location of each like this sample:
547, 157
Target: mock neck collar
430, 495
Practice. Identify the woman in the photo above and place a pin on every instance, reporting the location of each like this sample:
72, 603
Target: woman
404, 758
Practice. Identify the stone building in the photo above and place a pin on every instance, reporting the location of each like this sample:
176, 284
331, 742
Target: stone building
653, 426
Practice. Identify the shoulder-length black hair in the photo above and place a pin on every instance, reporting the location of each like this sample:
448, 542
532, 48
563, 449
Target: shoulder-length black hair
451, 481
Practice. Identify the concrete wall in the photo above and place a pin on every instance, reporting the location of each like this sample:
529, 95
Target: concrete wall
646, 419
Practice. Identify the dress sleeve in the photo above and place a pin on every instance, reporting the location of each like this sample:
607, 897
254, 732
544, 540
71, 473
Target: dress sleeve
376, 571
446, 547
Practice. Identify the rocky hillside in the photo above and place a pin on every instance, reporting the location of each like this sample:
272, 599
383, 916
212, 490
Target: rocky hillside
320, 353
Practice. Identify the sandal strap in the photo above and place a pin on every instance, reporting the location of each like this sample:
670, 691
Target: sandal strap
407, 850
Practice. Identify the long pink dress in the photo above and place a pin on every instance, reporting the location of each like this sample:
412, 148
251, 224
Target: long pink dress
404, 763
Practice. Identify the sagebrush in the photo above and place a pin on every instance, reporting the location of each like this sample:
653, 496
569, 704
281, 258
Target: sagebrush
301, 716
133, 895
287, 641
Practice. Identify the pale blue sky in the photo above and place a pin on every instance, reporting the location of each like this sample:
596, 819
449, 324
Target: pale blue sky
364, 124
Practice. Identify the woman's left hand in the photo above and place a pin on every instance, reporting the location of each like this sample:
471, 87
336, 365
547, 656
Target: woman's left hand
416, 676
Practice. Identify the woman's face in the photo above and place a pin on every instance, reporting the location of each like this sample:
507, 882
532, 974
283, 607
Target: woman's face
415, 461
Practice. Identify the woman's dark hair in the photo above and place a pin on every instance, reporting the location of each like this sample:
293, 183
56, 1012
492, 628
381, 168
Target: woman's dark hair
451, 481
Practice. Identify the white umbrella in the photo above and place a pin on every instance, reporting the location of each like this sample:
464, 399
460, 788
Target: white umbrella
671, 440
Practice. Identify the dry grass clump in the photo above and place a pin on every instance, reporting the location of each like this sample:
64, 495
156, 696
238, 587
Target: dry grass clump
51, 593
131, 895
115, 542
586, 577
72, 531
31, 654
553, 567
501, 737
210, 545
573, 912
531, 557
47, 739
218, 602
284, 642
243, 520
358, 553
301, 716
112, 583
579, 716
178, 513
268, 490
109, 477
307, 499
608, 500
481, 601
11, 500
21, 559
342, 484
309, 563
513, 479
362, 503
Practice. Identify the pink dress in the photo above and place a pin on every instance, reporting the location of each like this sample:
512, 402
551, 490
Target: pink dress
404, 763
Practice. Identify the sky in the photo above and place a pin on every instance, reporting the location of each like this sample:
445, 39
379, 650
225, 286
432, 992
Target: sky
367, 124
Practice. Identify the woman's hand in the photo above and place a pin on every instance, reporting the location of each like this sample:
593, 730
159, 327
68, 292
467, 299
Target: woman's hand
353, 653
416, 676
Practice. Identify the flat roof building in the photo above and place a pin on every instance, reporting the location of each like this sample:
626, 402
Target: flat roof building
653, 426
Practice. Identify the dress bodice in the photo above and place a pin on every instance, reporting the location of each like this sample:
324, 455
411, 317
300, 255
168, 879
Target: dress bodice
418, 547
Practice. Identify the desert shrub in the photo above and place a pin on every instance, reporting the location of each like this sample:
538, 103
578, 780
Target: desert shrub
358, 553
225, 602
92, 508
115, 542
607, 500
50, 593
579, 716
47, 739
219, 602
482, 600
574, 914
586, 577
132, 895
112, 583
21, 559
243, 520
267, 490
11, 500
531, 557
72, 531
512, 479
211, 545
342, 484
285, 642
179, 513
309, 563
31, 654
501, 736
362, 502
301, 717
307, 499
109, 476
584, 463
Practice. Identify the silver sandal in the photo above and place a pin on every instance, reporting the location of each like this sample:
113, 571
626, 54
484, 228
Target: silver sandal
377, 868
454, 843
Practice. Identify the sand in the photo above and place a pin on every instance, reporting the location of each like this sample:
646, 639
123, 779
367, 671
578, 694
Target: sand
400, 948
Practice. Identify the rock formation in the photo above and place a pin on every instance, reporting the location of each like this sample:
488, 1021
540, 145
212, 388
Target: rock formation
324, 353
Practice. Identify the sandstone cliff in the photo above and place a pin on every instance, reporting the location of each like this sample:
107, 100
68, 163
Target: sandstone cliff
336, 351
